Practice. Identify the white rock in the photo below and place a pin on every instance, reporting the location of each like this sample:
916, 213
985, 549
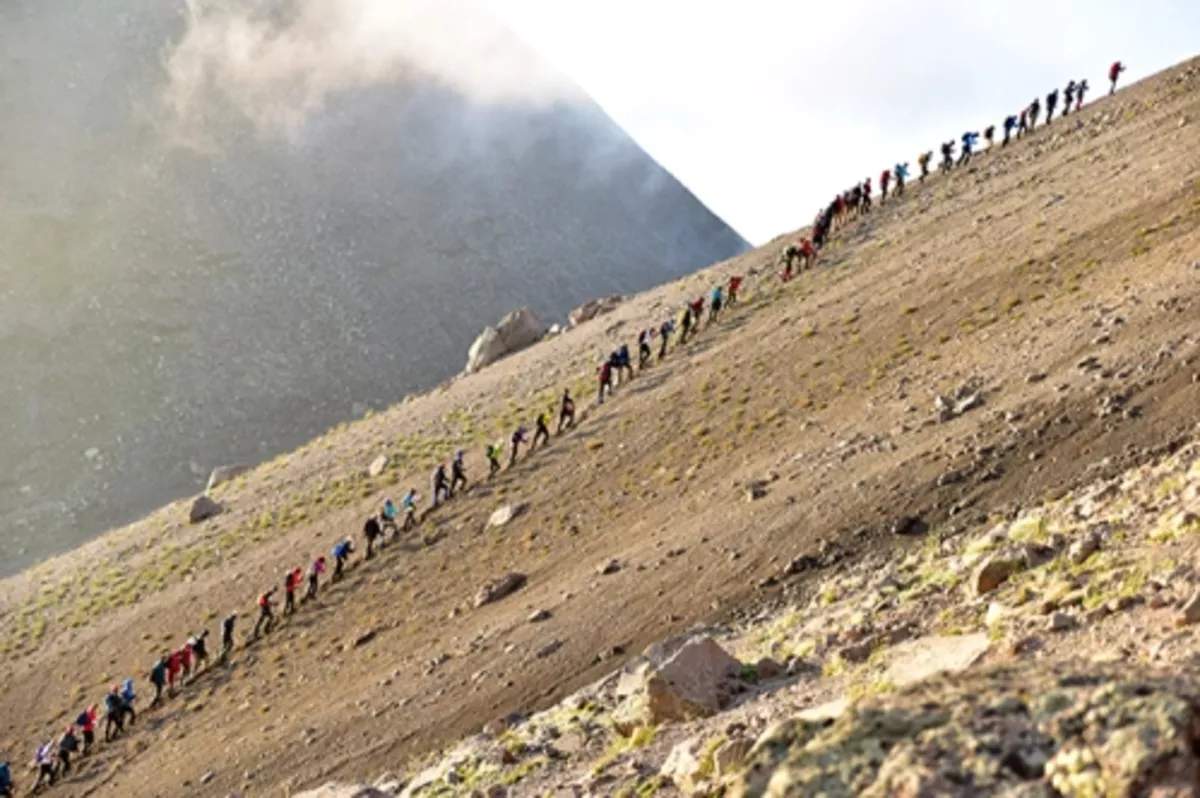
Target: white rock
516, 331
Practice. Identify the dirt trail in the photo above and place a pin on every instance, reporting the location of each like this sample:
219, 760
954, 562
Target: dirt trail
999, 282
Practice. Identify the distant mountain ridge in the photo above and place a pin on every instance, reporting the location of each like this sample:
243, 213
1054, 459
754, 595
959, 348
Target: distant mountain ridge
165, 310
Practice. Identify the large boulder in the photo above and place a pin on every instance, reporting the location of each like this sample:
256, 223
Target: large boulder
203, 508
695, 682
596, 307
222, 474
517, 330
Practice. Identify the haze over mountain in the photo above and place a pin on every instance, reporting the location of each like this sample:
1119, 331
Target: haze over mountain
225, 227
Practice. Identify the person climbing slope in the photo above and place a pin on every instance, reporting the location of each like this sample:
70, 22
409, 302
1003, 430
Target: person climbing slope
716, 300
174, 668
566, 411
885, 179
315, 569
185, 663
1023, 124
1068, 97
518, 437
408, 502
68, 744
923, 164
1051, 104
901, 173
989, 135
227, 626
866, 196
1010, 122
372, 530
87, 727
1114, 74
458, 473
387, 517
735, 285
968, 147
266, 613
1035, 109
1080, 90
114, 715
604, 380
947, 156
492, 453
43, 761
441, 488
158, 678
643, 341
541, 432
341, 553
199, 644
664, 334
128, 696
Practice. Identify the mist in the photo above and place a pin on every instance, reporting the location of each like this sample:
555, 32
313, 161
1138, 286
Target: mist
225, 228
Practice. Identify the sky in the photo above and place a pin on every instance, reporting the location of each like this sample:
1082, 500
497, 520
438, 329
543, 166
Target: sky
764, 108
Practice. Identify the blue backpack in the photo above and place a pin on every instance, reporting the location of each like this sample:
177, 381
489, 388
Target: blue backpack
5, 776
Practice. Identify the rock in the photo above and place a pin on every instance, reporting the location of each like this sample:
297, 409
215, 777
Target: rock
516, 331
378, 466
203, 508
362, 638
767, 668
909, 525
549, 648
1061, 622
503, 515
682, 765
856, 653
91, 454
539, 615
593, 308
1057, 728
1191, 611
995, 614
610, 567
226, 473
755, 491
1085, 547
494, 591
995, 571
344, 791
729, 757
207, 777
695, 682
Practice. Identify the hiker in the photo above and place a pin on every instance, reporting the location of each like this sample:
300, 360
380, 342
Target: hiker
174, 666
1051, 104
989, 135
315, 569
185, 663
685, 323
341, 553
68, 744
947, 156
158, 678
566, 411
697, 313
1080, 90
387, 517
458, 473
885, 178
605, 380
199, 644
87, 727
291, 582
541, 432
128, 696
1023, 124
492, 452
43, 760
1010, 122
266, 613
6, 782
714, 304
114, 715
644, 347
409, 502
441, 488
371, 532
227, 634
518, 437
624, 363
866, 196
1068, 97
664, 333
1035, 108
923, 164
901, 172
1114, 73
735, 282
968, 145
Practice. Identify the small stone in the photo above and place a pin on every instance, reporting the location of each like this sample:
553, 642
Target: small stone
993, 572
1082, 549
767, 668
1191, 611
1061, 622
549, 648
539, 615
610, 567
207, 777
378, 466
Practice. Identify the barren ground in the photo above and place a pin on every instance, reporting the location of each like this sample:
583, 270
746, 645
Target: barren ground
1081, 241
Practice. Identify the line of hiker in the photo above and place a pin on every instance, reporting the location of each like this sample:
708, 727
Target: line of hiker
54, 759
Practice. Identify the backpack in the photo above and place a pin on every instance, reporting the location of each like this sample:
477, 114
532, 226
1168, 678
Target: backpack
82, 720
5, 776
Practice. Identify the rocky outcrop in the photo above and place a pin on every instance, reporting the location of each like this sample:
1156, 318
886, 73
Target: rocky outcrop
596, 307
203, 508
1030, 729
517, 330
696, 681
226, 473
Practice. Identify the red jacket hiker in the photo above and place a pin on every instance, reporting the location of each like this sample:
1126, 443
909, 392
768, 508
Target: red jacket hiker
174, 665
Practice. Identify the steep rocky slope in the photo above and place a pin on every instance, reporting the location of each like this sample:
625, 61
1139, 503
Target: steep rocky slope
975, 379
